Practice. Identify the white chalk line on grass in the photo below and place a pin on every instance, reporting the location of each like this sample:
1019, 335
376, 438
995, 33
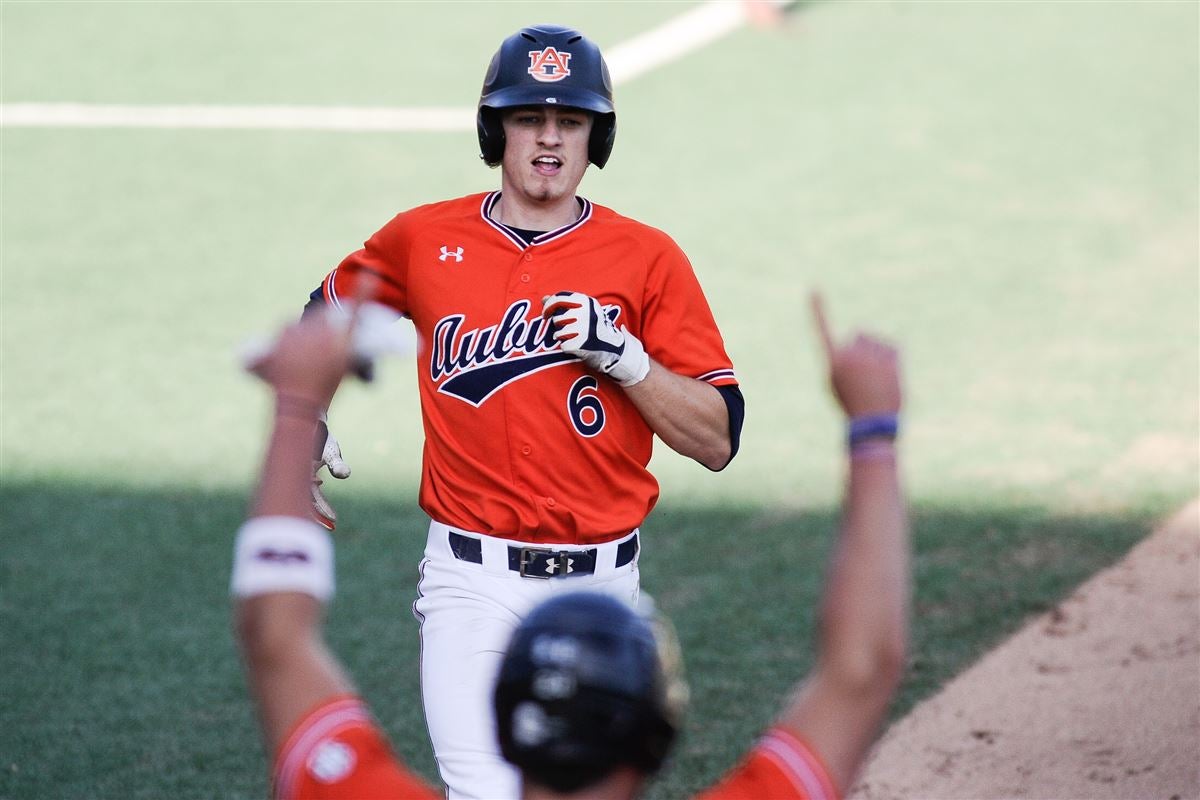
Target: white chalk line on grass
668, 42
675, 38
317, 118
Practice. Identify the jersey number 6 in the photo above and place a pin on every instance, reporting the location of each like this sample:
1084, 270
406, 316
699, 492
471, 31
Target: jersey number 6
583, 404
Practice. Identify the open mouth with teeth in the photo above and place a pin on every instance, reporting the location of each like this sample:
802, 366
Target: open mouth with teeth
547, 165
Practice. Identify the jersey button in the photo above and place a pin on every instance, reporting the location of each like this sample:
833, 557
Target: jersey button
551, 502
529, 256
526, 450
525, 278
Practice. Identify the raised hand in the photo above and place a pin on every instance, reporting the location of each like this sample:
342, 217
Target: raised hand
864, 373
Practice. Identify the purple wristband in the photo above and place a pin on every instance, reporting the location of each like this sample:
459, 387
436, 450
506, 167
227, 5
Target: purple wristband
874, 426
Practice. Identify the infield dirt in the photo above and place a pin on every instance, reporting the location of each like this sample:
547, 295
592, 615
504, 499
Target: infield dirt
1099, 698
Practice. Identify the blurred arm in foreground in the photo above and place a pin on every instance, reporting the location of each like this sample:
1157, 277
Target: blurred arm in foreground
319, 733
864, 615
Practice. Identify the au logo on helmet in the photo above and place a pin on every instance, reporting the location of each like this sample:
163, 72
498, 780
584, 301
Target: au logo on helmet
549, 65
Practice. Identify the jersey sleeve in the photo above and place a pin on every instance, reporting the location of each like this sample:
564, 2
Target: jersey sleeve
781, 766
337, 752
382, 259
678, 329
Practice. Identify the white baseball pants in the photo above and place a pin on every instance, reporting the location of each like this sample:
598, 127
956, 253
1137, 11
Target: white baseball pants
468, 612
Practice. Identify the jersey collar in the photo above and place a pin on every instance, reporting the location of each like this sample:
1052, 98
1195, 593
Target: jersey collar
489, 202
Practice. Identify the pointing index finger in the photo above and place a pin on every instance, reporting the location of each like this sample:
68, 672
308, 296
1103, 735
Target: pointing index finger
822, 322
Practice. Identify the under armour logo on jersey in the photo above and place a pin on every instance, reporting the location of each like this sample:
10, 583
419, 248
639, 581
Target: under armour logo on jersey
456, 253
548, 65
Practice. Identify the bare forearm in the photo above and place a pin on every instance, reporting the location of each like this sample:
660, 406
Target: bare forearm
287, 465
860, 659
689, 415
864, 618
288, 666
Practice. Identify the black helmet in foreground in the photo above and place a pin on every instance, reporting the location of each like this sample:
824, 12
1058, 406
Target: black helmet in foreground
587, 685
547, 65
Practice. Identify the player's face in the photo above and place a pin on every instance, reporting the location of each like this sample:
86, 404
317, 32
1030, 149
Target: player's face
545, 152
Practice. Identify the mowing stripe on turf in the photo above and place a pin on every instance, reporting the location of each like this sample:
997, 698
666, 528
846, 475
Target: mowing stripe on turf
668, 42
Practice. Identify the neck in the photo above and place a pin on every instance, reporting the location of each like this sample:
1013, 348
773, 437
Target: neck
511, 211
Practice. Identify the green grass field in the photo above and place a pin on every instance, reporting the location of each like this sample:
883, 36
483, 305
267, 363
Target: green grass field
1009, 190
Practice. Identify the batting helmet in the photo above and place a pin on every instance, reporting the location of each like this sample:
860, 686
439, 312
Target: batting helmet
586, 685
547, 65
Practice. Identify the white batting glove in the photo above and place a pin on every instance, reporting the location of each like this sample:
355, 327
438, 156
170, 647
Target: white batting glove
583, 329
329, 455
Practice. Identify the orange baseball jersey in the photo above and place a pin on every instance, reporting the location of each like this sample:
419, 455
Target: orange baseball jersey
782, 767
337, 752
521, 439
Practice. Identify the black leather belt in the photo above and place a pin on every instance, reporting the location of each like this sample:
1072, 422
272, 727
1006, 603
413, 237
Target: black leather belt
542, 562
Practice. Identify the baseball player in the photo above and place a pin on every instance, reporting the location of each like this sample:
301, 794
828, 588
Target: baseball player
589, 695
557, 338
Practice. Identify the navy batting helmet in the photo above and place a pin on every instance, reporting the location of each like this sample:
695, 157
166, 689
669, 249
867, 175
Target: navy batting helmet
587, 685
547, 65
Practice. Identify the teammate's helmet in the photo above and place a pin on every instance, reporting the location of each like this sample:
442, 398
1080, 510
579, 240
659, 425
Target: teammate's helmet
547, 65
586, 685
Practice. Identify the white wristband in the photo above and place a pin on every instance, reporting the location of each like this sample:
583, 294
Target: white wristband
633, 366
282, 554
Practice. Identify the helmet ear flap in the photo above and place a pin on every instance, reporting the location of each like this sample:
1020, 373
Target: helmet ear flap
491, 135
600, 143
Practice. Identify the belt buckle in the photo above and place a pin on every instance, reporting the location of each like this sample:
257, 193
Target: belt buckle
526, 554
